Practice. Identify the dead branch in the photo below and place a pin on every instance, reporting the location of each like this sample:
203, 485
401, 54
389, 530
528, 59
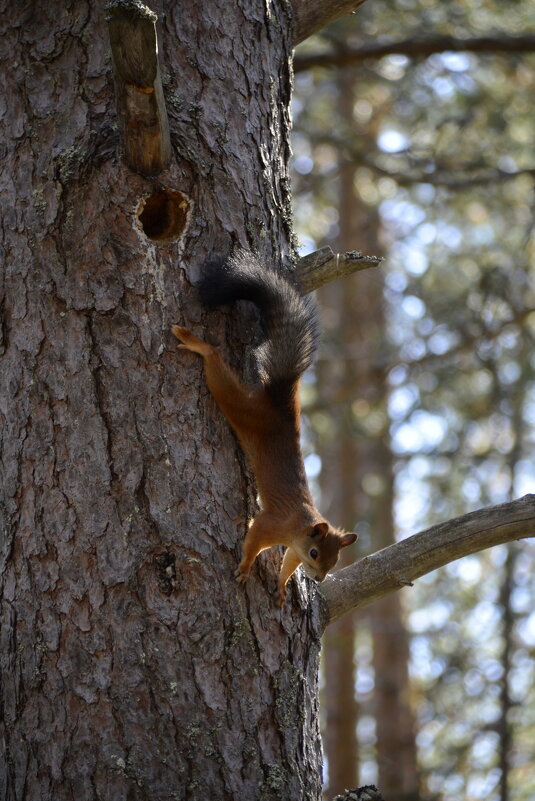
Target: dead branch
400, 564
322, 266
311, 15
140, 102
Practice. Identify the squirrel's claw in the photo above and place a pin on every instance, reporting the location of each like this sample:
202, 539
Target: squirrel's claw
240, 576
191, 342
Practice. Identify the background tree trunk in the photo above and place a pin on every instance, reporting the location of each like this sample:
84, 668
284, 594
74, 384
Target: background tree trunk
132, 665
358, 482
341, 492
343, 467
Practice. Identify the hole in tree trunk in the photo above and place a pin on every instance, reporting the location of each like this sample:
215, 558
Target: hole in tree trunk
164, 215
166, 572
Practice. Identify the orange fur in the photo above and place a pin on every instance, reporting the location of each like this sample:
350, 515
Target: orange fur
269, 434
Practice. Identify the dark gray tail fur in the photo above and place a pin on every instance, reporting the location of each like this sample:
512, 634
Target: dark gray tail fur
289, 320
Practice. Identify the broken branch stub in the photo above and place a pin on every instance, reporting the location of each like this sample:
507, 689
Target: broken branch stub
140, 102
322, 266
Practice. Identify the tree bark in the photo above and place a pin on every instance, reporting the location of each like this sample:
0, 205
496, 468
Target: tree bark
140, 101
132, 665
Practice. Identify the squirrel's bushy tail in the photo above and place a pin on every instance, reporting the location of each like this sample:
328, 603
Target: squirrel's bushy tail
289, 320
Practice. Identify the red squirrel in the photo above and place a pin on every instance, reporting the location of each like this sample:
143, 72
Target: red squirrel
266, 416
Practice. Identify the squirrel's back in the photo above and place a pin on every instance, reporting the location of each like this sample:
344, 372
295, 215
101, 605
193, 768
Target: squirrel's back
289, 320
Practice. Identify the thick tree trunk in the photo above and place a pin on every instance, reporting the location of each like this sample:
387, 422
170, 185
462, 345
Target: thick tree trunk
132, 665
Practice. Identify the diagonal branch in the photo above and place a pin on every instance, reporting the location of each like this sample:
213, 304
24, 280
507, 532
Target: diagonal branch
398, 565
416, 48
443, 174
311, 15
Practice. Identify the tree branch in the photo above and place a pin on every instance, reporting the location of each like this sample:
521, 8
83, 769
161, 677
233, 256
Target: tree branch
398, 565
368, 793
416, 48
322, 266
140, 101
465, 176
311, 15
457, 179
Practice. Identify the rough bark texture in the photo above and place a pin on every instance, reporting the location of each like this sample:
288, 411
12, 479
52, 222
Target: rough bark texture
132, 665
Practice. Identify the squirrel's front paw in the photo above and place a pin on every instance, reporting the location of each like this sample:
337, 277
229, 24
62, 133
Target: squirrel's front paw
191, 342
241, 575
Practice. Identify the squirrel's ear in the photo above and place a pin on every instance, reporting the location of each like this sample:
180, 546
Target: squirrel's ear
319, 531
348, 538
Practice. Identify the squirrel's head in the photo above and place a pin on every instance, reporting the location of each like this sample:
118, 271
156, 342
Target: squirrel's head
321, 548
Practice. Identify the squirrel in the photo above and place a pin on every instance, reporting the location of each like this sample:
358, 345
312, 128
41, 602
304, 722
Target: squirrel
266, 416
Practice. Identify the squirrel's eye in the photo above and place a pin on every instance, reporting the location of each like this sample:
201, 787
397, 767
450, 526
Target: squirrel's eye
313, 553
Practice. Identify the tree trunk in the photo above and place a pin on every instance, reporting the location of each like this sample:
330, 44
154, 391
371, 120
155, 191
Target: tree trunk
359, 483
341, 477
340, 492
132, 665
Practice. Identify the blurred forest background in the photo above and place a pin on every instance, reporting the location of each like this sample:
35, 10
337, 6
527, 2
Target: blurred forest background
422, 406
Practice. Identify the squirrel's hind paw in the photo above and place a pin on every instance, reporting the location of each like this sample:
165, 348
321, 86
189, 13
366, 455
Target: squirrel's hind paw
280, 596
240, 576
177, 330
